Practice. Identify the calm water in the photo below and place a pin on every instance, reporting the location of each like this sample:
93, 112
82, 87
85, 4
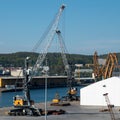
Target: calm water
38, 95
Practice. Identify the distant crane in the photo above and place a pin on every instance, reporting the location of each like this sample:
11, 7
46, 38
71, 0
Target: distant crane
64, 58
96, 69
72, 92
110, 64
105, 70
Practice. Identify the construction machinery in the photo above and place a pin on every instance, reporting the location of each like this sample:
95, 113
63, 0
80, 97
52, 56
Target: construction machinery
58, 102
45, 46
23, 105
72, 91
104, 70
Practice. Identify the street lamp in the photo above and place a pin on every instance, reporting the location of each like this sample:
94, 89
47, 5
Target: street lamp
45, 69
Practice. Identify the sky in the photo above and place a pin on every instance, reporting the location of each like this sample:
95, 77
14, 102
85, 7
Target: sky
87, 25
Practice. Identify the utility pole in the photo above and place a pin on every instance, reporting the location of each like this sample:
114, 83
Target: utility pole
46, 68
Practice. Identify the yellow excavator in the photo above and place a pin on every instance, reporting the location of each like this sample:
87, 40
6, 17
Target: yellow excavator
71, 96
104, 71
23, 104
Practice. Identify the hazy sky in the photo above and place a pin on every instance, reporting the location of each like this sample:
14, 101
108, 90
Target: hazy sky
87, 25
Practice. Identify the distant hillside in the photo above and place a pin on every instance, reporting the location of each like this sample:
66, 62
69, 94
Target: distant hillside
54, 60
17, 59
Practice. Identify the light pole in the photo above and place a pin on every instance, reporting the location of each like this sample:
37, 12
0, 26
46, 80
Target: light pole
46, 68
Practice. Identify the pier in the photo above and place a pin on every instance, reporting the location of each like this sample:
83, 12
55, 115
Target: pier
73, 112
37, 82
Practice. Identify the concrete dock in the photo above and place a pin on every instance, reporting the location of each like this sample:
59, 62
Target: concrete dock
73, 112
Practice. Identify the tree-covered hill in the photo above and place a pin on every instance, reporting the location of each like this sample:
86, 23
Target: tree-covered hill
54, 60
17, 59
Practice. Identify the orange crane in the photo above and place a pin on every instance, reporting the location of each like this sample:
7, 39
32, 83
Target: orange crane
105, 70
110, 64
96, 69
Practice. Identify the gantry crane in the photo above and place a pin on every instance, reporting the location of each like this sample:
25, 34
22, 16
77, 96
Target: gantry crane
23, 104
106, 70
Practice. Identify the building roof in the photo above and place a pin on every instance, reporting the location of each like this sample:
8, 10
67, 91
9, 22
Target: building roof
92, 95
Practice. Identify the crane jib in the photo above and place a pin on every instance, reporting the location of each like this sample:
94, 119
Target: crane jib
47, 38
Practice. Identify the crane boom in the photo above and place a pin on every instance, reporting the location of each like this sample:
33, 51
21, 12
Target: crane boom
47, 39
64, 58
105, 70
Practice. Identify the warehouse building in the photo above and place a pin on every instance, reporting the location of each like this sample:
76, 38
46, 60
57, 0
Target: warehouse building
93, 95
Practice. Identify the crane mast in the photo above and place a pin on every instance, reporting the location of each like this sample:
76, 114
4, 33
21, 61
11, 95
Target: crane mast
26, 89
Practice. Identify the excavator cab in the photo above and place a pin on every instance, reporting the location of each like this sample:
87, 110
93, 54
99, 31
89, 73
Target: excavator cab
72, 94
56, 100
72, 91
19, 101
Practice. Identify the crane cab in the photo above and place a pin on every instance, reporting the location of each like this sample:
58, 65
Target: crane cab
56, 99
19, 101
72, 91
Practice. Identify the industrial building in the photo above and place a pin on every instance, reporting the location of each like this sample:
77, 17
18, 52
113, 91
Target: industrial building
93, 95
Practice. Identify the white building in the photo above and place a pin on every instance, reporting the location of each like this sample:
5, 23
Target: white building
92, 95
17, 72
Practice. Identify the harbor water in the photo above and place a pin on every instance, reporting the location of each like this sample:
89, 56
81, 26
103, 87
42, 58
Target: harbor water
38, 95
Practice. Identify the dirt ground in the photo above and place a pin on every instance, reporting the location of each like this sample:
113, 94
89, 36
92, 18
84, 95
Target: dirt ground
73, 112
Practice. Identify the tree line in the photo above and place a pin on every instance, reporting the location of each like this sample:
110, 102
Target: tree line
54, 60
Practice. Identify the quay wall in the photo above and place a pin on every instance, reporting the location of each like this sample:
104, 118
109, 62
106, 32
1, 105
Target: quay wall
36, 82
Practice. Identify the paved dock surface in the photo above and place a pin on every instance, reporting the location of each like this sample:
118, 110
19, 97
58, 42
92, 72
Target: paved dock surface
73, 112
